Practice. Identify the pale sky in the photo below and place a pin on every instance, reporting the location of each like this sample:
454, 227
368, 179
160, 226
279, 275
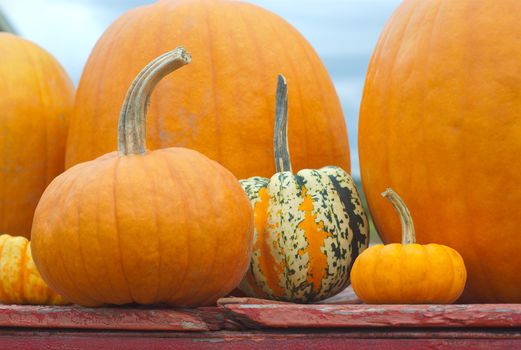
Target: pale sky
343, 32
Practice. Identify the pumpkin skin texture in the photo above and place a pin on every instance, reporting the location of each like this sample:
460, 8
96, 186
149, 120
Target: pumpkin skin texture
441, 110
217, 108
37, 97
20, 281
408, 273
137, 226
309, 227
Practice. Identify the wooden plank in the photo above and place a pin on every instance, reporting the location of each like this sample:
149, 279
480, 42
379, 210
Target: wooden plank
120, 318
347, 296
240, 340
341, 316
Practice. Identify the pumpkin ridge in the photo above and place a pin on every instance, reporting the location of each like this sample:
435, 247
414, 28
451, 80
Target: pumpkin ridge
451, 263
399, 48
225, 289
103, 256
94, 293
202, 282
490, 292
238, 196
68, 184
210, 48
39, 79
179, 181
157, 226
170, 277
259, 53
116, 220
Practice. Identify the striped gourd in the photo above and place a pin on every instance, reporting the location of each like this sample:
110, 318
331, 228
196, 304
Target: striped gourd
309, 226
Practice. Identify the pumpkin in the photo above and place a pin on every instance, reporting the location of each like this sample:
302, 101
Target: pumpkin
309, 226
37, 97
408, 273
137, 226
20, 281
440, 123
218, 107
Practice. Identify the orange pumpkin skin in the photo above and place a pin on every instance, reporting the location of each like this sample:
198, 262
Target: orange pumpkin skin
139, 229
36, 99
224, 100
408, 274
135, 226
441, 110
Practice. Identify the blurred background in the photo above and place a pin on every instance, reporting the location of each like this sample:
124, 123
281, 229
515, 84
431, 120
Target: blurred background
343, 32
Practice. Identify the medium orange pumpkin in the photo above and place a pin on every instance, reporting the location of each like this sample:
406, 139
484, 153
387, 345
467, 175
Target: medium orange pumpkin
165, 226
440, 123
223, 106
36, 99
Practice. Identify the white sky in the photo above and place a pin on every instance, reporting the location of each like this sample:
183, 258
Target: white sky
343, 32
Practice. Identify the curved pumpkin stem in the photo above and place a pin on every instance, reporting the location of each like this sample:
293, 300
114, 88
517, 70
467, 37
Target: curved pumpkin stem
408, 235
132, 118
280, 139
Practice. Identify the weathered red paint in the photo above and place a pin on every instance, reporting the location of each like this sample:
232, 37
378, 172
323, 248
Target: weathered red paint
245, 340
117, 318
346, 316
279, 326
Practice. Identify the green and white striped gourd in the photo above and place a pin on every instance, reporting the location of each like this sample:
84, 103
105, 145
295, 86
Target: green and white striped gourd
309, 226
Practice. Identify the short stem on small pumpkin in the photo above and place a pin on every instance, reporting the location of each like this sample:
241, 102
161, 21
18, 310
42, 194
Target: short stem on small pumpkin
280, 140
408, 235
132, 118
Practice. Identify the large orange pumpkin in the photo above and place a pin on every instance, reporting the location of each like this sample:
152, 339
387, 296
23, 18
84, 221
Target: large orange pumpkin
441, 123
165, 226
223, 106
36, 97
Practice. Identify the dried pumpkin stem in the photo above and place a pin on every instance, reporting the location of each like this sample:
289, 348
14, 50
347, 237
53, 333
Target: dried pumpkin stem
280, 139
408, 235
132, 118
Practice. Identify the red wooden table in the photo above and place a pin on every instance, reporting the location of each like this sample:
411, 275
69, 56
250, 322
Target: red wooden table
240, 323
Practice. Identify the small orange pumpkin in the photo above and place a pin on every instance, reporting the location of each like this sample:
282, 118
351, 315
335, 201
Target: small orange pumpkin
20, 281
408, 273
165, 226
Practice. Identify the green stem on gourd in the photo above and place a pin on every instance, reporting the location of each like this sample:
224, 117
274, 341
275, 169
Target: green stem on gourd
132, 118
408, 235
280, 139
